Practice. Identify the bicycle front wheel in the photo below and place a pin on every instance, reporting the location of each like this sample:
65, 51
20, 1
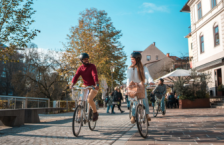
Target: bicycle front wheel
142, 121
91, 123
77, 121
155, 109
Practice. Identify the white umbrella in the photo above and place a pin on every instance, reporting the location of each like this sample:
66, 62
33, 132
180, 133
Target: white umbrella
170, 77
174, 75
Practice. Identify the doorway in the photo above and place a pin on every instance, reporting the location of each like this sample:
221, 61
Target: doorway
218, 79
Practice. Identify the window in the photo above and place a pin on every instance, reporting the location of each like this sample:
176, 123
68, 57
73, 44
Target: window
191, 46
213, 3
157, 57
216, 35
3, 73
202, 44
199, 11
148, 57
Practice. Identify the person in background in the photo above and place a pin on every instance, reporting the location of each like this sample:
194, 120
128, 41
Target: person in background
171, 100
117, 97
167, 95
177, 100
160, 92
122, 90
127, 100
109, 102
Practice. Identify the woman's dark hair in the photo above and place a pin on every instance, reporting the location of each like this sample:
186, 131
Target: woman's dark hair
137, 56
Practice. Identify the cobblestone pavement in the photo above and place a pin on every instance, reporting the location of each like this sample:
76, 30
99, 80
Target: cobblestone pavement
191, 126
57, 129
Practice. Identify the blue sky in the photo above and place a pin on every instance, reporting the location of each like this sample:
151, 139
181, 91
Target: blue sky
142, 22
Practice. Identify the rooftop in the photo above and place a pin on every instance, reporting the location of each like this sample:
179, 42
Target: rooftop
186, 8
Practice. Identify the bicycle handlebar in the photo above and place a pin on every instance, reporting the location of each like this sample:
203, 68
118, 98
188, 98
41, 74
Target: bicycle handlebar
83, 88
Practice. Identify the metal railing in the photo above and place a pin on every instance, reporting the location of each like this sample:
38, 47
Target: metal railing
15, 102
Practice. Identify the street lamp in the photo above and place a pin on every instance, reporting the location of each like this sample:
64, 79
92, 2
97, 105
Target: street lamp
112, 69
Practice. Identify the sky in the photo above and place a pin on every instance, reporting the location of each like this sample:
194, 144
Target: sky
141, 22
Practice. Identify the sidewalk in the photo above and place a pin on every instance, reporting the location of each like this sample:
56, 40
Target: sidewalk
184, 127
57, 129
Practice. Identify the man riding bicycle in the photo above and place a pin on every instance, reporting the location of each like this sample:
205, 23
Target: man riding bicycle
160, 92
89, 75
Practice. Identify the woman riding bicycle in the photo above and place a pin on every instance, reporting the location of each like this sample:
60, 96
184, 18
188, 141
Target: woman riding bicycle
160, 92
137, 73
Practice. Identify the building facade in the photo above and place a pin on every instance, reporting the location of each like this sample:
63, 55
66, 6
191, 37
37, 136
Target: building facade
160, 64
206, 40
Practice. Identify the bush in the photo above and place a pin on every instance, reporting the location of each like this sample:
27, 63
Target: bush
196, 89
221, 88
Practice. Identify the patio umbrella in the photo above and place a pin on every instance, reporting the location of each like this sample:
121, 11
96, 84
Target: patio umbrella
173, 76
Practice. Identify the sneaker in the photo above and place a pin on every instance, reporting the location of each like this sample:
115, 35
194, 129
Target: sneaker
95, 116
113, 113
163, 112
122, 111
148, 117
132, 119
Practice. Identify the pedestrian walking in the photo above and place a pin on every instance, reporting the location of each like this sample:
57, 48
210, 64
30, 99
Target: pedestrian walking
117, 97
109, 103
171, 100
176, 100
127, 100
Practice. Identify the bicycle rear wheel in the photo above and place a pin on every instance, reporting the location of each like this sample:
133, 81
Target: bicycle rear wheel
142, 121
91, 123
155, 109
77, 121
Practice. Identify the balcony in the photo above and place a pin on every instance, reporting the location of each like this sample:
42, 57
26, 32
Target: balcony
189, 34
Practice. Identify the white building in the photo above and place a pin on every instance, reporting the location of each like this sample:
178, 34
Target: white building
206, 40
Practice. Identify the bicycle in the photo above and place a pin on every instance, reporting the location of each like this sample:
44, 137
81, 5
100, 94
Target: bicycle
141, 117
83, 112
157, 107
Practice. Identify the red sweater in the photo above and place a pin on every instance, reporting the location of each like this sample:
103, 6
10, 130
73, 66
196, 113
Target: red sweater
88, 73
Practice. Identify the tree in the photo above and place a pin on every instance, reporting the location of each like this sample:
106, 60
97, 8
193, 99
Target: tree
39, 77
15, 19
96, 35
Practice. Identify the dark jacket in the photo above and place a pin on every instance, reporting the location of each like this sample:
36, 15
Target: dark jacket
117, 96
171, 98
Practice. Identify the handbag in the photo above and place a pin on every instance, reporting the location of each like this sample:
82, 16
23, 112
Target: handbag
136, 89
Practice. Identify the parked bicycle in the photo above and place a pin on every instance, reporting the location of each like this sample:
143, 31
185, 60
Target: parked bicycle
140, 116
83, 112
157, 107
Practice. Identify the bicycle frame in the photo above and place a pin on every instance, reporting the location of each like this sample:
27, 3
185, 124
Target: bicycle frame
84, 104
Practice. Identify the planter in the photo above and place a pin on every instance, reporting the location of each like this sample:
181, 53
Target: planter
219, 93
197, 103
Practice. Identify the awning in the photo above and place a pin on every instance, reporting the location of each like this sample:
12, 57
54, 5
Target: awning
210, 65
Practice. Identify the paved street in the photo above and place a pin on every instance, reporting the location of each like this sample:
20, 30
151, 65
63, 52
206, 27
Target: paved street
192, 126
56, 129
